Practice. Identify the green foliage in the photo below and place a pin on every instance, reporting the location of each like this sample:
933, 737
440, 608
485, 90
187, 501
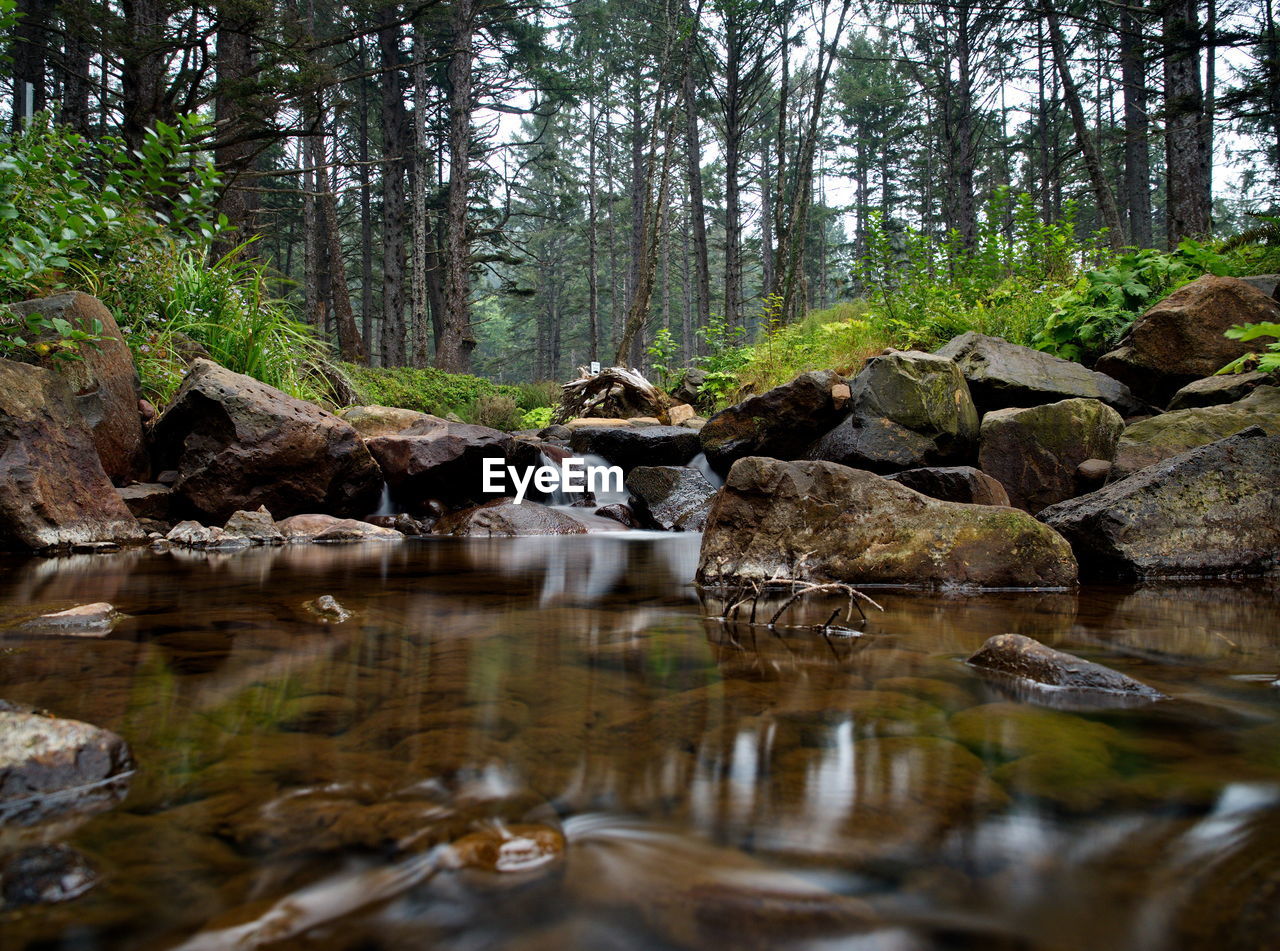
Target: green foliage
52, 337
177, 304
1268, 362
1090, 318
530, 396
495, 410
662, 355
427, 390
69, 206
537, 418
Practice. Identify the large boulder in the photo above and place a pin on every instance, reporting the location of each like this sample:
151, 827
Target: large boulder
103, 379
47, 764
631, 446
440, 459
670, 497
1180, 339
1208, 511
818, 521
503, 518
53, 490
371, 421
238, 444
908, 409
781, 422
1034, 452
313, 527
1002, 374
1147, 442
954, 484
1221, 388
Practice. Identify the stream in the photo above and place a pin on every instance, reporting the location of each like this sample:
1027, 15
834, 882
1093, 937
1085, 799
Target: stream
546, 743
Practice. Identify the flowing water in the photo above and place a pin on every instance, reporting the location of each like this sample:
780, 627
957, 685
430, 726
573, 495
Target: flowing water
553, 743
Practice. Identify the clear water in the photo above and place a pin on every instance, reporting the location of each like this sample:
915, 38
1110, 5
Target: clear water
355, 786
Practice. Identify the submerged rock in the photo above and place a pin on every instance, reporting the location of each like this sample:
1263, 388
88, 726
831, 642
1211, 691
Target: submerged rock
102, 379
954, 484
631, 446
518, 847
1147, 442
238, 444
327, 608
1224, 388
908, 409
1181, 339
1034, 452
45, 760
1208, 511
84, 620
817, 521
781, 422
670, 497
502, 518
1002, 374
53, 490
1028, 659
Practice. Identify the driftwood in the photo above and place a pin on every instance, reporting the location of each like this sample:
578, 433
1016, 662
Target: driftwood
613, 393
751, 594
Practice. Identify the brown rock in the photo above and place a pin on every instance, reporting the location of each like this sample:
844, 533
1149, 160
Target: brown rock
307, 528
1028, 659
439, 459
84, 620
1224, 388
818, 521
239, 444
1034, 452
681, 413
1092, 474
954, 484
1180, 339
104, 381
148, 500
370, 421
53, 490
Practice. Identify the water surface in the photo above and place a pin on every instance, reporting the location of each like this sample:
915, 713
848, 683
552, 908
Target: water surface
340, 786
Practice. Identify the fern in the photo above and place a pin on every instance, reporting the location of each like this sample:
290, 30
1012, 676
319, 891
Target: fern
1268, 233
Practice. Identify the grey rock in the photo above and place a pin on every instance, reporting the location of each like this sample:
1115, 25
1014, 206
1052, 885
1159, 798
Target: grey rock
780, 423
1003, 374
670, 497
148, 500
631, 446
502, 518
258, 527
84, 620
1222, 388
1209, 511
954, 484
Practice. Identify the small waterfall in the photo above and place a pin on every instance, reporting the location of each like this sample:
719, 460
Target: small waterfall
700, 463
557, 496
607, 495
385, 505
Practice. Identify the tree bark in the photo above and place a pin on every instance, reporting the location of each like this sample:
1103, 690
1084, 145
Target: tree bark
697, 206
232, 154
453, 348
419, 313
1187, 203
395, 146
142, 68
30, 56
1137, 156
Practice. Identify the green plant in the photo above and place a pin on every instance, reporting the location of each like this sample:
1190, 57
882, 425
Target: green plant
1267, 362
662, 355
534, 395
1091, 317
537, 418
495, 410
424, 389
34, 335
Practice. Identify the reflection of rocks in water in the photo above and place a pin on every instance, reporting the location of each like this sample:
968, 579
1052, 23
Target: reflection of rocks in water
43, 875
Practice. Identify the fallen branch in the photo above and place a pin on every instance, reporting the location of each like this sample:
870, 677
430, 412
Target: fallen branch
614, 392
752, 593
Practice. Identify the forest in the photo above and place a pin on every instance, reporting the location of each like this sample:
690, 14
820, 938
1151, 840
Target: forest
514, 189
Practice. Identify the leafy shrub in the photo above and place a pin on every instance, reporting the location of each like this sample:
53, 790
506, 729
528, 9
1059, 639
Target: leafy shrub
1267, 362
1091, 317
495, 410
537, 418
41, 336
545, 393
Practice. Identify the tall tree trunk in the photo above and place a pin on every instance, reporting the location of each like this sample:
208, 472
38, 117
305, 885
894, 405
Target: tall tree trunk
312, 246
395, 148
1137, 155
420, 315
593, 276
1102, 192
339, 291
453, 348
697, 206
366, 219
233, 154
77, 53
1188, 207
143, 99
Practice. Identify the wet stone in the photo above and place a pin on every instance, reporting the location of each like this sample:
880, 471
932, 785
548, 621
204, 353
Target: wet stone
327, 608
1028, 659
85, 620
44, 875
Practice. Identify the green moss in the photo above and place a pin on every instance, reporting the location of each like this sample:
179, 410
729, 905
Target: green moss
429, 390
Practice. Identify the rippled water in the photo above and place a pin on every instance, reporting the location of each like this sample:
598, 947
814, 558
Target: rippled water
491, 703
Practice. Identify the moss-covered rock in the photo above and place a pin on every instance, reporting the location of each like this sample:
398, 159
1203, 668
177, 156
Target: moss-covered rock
1152, 440
1034, 452
823, 522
